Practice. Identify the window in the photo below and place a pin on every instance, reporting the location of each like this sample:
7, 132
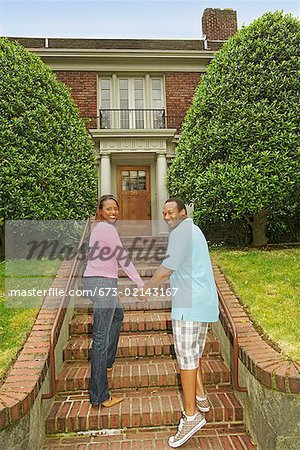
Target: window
105, 118
131, 95
124, 103
132, 102
139, 103
157, 102
133, 180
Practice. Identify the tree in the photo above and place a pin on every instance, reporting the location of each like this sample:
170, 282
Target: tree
238, 156
48, 163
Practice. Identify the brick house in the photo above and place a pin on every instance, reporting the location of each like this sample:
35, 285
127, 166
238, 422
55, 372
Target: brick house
134, 94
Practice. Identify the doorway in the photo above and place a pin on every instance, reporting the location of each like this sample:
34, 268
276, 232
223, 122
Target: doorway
134, 194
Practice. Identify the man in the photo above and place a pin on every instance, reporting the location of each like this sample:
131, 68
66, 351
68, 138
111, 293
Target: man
194, 305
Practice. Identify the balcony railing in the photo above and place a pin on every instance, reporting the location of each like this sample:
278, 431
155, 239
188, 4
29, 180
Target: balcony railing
132, 119
110, 119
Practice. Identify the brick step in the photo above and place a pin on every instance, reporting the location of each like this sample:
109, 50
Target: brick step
144, 372
144, 269
133, 321
152, 259
126, 282
144, 241
148, 439
151, 255
149, 250
84, 306
140, 408
135, 345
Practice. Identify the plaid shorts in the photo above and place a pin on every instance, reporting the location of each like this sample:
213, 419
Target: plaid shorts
189, 342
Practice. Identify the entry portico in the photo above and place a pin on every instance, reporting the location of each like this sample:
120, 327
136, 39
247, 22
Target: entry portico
133, 167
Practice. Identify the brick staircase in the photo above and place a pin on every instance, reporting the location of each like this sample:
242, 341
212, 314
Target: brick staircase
146, 374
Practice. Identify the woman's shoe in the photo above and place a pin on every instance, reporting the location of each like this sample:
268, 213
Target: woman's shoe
202, 404
112, 401
186, 429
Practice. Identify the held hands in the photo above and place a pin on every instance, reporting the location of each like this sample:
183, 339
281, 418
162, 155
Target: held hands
152, 287
143, 294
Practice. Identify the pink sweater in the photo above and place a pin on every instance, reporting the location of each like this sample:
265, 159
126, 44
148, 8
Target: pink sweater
106, 251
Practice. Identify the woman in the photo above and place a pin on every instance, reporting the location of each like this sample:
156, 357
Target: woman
100, 280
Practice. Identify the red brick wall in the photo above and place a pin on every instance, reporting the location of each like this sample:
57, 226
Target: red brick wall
84, 92
219, 24
180, 89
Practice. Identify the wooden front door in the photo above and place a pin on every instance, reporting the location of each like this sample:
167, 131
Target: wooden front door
134, 195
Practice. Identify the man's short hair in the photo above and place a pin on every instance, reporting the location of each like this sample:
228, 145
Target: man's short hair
179, 202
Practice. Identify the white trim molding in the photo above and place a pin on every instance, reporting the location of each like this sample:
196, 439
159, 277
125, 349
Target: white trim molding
126, 60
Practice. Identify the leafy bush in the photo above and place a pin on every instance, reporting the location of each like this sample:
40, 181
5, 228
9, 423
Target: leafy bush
48, 159
238, 156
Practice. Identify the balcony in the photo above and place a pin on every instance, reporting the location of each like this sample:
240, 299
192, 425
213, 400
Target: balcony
134, 119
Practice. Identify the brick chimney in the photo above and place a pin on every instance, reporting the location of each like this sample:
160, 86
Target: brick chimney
219, 24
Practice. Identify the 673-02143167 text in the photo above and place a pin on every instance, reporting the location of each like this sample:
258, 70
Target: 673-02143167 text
134, 292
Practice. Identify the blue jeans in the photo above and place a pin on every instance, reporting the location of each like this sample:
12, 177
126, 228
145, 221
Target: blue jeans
108, 315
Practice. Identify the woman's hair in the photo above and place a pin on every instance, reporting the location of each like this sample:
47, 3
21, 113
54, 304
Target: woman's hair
101, 200
105, 197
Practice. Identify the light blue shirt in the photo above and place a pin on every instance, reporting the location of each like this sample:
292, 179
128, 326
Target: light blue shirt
194, 294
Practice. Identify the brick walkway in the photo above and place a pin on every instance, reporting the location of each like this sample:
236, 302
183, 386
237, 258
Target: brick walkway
146, 374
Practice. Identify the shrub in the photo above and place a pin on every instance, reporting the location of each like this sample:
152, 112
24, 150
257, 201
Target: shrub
48, 158
238, 156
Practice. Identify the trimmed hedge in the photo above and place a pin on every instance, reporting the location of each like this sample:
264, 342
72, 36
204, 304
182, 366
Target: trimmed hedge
48, 162
238, 156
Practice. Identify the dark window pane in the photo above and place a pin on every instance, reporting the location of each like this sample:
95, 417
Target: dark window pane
142, 180
125, 180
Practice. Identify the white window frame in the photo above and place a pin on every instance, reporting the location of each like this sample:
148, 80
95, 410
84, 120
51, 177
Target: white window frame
147, 97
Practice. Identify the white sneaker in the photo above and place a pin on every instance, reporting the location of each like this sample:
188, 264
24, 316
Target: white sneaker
186, 429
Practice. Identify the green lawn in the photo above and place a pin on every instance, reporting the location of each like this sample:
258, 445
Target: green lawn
268, 284
15, 324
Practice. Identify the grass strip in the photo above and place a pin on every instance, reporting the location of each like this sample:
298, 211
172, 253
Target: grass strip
267, 283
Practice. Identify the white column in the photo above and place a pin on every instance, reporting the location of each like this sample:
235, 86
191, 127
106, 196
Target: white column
105, 175
162, 194
98, 169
